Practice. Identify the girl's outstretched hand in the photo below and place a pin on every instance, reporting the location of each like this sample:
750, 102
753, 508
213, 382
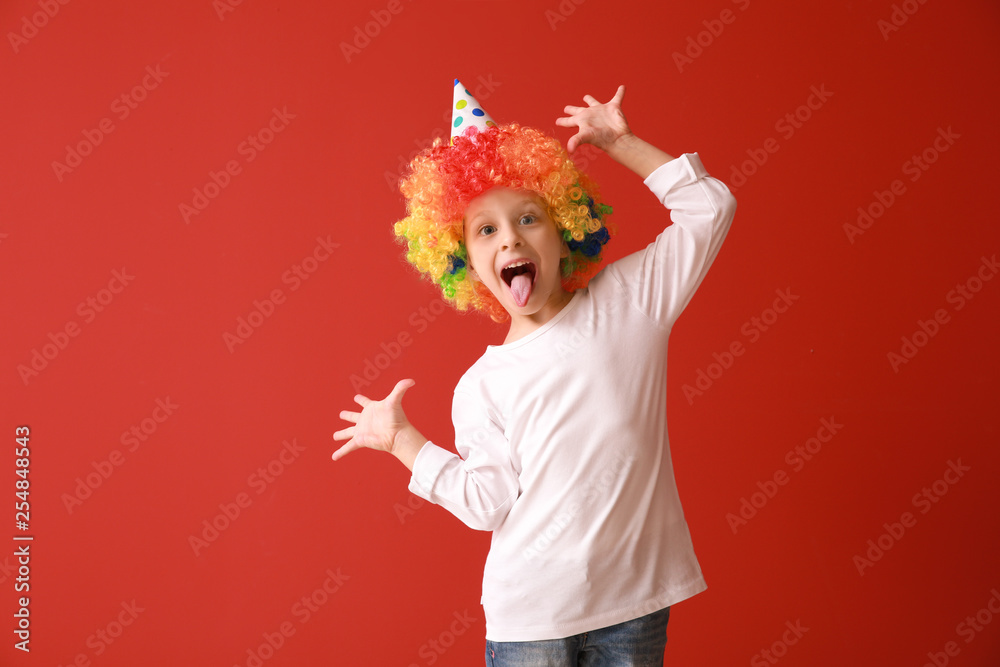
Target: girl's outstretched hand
377, 424
600, 124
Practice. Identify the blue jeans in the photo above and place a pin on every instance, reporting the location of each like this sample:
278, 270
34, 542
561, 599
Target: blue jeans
636, 643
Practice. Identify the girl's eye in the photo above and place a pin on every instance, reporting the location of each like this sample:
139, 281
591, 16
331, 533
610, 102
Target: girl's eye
485, 229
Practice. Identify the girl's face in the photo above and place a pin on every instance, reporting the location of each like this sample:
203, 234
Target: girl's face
514, 248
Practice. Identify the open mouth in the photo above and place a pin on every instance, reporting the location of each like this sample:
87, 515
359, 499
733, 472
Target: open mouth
520, 278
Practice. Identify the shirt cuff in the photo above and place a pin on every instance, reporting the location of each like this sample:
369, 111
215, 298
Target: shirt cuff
426, 467
674, 174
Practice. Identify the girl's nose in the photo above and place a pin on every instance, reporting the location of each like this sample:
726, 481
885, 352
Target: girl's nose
510, 236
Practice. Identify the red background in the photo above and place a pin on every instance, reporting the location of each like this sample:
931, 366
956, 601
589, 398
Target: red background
408, 567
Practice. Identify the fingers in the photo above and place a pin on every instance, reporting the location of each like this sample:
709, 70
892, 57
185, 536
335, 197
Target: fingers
362, 440
400, 389
592, 101
568, 122
343, 451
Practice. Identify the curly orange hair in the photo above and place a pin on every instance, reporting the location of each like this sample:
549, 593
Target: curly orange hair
443, 179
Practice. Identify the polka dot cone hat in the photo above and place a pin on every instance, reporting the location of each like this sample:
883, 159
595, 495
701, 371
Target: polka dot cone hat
466, 111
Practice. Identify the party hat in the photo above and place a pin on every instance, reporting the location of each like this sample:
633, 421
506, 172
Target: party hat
466, 111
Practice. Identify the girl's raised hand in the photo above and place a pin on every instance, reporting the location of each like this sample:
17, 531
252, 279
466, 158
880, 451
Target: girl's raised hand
600, 124
377, 424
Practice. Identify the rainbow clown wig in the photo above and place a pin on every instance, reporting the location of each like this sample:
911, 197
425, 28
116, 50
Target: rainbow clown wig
443, 179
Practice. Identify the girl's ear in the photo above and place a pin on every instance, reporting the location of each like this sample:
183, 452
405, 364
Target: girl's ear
473, 274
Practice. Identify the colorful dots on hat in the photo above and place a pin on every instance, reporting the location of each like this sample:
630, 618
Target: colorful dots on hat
466, 111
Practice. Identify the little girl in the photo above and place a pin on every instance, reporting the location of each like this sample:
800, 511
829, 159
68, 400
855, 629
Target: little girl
561, 431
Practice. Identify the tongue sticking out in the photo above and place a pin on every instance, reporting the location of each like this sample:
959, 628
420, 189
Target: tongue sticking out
520, 288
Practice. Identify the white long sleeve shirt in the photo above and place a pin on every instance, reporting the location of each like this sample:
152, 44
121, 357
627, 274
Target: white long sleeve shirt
562, 439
